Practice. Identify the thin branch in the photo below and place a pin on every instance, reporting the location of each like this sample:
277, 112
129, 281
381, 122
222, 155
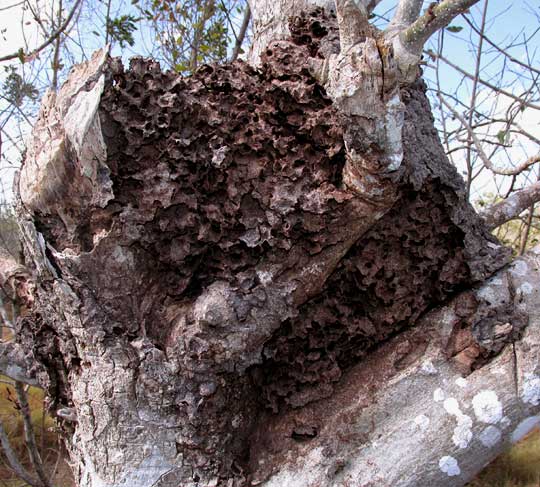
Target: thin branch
13, 461
512, 206
12, 5
498, 48
485, 159
242, 34
523, 102
48, 42
527, 231
474, 95
437, 16
29, 435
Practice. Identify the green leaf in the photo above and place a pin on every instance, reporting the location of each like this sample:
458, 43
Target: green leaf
501, 136
454, 28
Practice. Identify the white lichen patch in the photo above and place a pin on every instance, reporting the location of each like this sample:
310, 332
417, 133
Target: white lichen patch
526, 288
428, 368
463, 431
265, 277
461, 382
487, 293
438, 395
530, 390
422, 422
452, 406
487, 407
519, 268
490, 436
449, 466
527, 425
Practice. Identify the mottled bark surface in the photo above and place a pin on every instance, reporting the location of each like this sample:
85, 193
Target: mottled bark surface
204, 270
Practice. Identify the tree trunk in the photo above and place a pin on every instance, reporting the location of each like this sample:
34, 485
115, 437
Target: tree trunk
240, 278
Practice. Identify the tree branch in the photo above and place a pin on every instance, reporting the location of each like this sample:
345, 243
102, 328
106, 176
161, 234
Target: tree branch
406, 13
412, 400
13, 363
511, 207
523, 102
485, 159
241, 34
437, 16
13, 461
29, 435
504, 52
49, 41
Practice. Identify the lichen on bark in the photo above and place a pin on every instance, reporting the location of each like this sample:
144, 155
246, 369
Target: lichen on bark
227, 269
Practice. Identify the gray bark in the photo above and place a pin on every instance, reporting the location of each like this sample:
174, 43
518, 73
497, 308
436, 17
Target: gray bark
263, 304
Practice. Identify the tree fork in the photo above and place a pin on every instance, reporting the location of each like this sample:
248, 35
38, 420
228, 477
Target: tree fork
212, 256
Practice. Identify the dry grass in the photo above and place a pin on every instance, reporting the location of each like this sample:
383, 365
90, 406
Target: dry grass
46, 438
519, 467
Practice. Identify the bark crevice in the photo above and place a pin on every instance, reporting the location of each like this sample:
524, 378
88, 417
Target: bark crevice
228, 269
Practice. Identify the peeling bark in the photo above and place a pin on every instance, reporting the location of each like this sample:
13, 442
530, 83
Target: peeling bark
212, 256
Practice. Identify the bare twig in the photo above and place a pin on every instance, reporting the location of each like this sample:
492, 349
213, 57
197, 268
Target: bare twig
478, 146
242, 34
29, 435
13, 460
497, 89
47, 42
501, 50
473, 97
13, 5
527, 231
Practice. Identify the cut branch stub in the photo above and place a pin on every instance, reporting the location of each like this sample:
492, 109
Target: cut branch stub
66, 155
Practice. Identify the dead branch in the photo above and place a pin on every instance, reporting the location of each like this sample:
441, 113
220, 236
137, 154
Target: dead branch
242, 34
29, 435
48, 42
14, 462
481, 153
